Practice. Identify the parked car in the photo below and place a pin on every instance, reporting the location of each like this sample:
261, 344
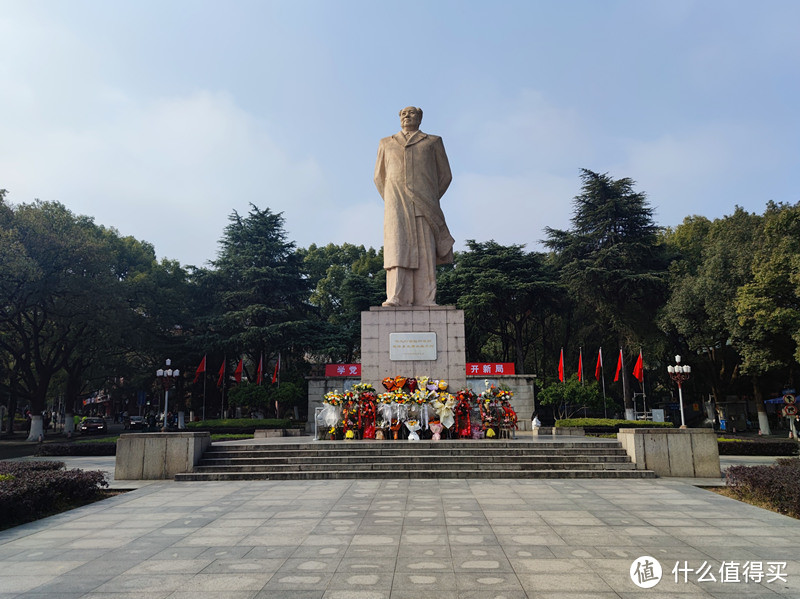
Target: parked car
93, 425
135, 423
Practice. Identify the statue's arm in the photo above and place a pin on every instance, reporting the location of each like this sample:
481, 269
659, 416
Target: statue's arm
380, 169
442, 167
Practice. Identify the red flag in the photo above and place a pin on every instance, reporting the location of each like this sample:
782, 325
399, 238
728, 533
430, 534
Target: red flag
619, 366
260, 371
580, 365
238, 372
561, 366
598, 370
221, 378
277, 367
638, 369
200, 369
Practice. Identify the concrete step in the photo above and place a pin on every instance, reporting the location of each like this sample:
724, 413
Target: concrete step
311, 467
419, 450
408, 459
424, 459
407, 474
371, 445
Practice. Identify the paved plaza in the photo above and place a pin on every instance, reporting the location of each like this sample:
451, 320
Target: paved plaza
401, 539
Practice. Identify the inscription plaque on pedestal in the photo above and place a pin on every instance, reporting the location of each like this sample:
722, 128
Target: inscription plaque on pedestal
412, 346
441, 328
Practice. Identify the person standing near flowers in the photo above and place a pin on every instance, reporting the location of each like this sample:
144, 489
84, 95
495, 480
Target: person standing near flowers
412, 173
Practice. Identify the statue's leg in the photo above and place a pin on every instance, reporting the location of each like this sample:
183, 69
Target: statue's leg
425, 275
399, 286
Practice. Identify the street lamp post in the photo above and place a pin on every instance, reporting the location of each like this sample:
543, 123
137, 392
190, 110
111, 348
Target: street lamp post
679, 374
167, 376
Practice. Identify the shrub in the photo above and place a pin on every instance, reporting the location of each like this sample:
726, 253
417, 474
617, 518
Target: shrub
15, 468
103, 440
85, 449
774, 485
238, 425
743, 447
608, 425
230, 437
32, 490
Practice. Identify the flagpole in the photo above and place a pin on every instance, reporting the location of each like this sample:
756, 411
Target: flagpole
625, 387
205, 380
603, 379
644, 393
563, 379
580, 373
224, 373
277, 378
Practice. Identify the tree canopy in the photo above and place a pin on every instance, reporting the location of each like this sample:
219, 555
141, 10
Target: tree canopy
83, 307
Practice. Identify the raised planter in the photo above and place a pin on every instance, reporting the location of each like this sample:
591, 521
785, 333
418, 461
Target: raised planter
156, 456
688, 452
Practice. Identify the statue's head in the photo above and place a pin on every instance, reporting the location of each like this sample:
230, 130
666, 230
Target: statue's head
410, 118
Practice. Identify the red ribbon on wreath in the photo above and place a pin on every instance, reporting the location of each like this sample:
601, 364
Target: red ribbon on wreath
487, 417
461, 412
366, 416
349, 414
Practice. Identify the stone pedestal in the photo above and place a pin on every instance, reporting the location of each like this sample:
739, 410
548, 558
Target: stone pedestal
156, 456
689, 453
376, 351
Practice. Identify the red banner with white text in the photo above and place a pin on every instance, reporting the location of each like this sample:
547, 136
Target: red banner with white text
490, 368
343, 370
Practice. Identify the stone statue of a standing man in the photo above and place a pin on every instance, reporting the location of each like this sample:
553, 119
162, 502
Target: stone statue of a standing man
412, 173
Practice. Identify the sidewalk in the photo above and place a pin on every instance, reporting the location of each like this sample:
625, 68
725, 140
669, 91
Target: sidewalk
398, 539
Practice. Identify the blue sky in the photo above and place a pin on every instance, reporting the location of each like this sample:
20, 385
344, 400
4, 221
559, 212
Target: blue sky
160, 118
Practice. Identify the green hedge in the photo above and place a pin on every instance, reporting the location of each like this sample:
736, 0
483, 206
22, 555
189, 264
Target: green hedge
608, 425
238, 425
756, 447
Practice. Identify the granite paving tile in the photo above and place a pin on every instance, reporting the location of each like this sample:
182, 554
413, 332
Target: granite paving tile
394, 539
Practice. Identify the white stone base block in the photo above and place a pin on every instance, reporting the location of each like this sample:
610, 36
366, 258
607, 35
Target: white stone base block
446, 321
688, 453
157, 456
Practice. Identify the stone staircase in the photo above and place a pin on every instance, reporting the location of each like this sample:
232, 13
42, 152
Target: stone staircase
421, 459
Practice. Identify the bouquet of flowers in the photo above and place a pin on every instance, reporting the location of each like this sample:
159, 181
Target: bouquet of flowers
504, 395
332, 407
444, 404
385, 398
421, 396
488, 393
413, 426
400, 397
360, 388
333, 398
